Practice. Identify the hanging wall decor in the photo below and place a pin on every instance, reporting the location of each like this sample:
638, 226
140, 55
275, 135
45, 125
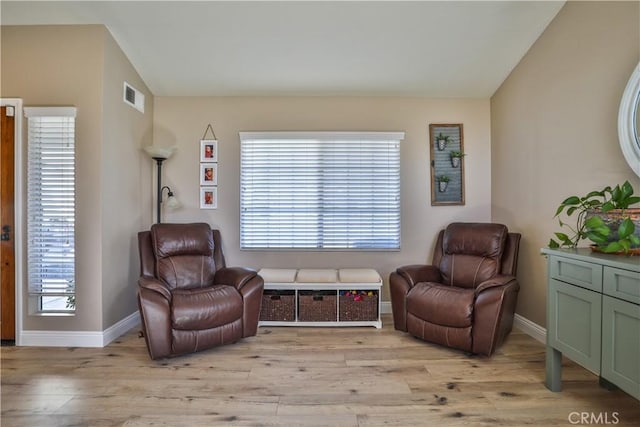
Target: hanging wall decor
208, 197
447, 164
209, 170
208, 150
208, 174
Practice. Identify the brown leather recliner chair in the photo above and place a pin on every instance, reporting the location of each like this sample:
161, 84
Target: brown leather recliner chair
467, 298
188, 300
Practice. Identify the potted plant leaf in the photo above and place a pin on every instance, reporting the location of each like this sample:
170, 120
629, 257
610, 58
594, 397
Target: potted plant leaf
455, 158
604, 217
442, 141
443, 182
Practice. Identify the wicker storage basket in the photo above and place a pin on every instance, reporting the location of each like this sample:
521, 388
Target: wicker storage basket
362, 310
317, 306
278, 305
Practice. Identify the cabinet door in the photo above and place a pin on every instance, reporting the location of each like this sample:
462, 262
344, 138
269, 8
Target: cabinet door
621, 344
574, 324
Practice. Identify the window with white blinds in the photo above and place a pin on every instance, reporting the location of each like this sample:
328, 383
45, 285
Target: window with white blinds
51, 207
320, 190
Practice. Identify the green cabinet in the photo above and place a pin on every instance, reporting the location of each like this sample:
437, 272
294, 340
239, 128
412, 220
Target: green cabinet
593, 316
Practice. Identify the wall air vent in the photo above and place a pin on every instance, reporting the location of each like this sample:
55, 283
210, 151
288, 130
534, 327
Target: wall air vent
133, 97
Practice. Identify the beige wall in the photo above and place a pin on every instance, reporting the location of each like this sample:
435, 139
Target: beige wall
554, 128
126, 184
82, 66
181, 121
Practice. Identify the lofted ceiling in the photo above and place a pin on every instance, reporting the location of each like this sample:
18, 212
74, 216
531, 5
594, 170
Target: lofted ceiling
235, 48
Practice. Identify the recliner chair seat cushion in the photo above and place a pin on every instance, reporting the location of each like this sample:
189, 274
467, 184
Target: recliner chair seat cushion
205, 308
441, 305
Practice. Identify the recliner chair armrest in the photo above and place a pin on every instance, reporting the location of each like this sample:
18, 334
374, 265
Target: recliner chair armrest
493, 313
234, 276
155, 285
496, 281
419, 273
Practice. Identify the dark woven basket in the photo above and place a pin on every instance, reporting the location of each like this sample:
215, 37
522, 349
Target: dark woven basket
363, 310
317, 306
278, 305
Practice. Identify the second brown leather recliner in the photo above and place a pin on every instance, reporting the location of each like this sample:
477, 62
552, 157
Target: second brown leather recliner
466, 299
188, 300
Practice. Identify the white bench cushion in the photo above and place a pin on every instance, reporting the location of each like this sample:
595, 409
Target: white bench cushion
278, 275
320, 275
358, 275
309, 275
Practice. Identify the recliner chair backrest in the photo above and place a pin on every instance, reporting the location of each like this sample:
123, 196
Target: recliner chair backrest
471, 253
183, 254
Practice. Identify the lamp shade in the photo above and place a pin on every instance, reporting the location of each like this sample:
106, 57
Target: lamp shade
173, 202
159, 152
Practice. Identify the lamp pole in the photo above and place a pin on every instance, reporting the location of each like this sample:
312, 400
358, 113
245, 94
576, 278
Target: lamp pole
159, 161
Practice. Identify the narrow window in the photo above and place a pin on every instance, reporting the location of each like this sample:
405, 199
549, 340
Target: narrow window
320, 190
51, 209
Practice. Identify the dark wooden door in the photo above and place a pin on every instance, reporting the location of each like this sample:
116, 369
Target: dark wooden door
7, 243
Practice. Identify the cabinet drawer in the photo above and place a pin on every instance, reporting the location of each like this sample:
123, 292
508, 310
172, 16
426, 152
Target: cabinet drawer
621, 344
584, 274
623, 284
574, 323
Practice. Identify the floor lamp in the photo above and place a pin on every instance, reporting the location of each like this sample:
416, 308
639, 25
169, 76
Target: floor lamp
160, 154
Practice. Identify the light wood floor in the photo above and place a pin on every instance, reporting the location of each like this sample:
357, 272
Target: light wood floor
300, 376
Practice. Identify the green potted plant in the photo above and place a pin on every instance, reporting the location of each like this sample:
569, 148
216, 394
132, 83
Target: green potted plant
604, 217
455, 158
443, 181
442, 141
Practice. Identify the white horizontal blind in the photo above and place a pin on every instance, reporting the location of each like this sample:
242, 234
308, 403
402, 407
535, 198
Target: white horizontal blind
320, 191
51, 201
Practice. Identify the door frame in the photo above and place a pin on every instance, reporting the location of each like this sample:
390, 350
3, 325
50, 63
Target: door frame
19, 196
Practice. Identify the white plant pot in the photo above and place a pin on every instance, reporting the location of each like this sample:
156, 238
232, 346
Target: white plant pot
441, 144
455, 162
442, 186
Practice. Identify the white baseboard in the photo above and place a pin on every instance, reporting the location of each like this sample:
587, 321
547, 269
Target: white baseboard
61, 339
79, 338
120, 328
530, 328
385, 307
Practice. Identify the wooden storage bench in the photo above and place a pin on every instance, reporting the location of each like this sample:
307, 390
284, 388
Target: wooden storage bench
321, 297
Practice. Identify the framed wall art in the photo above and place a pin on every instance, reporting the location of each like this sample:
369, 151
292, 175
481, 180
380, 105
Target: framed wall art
208, 174
447, 164
208, 197
208, 150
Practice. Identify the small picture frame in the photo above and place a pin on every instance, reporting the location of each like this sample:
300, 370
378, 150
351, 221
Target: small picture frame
208, 197
208, 150
208, 174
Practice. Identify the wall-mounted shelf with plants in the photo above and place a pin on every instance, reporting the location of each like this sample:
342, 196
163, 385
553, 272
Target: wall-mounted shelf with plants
447, 164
